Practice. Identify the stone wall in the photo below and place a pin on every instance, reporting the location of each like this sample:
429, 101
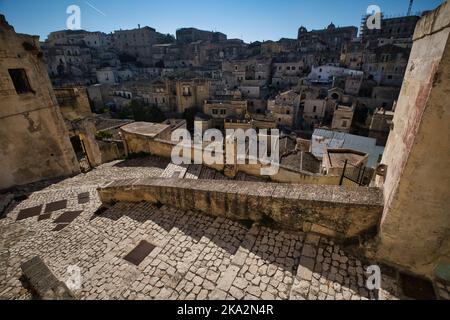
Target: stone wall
76, 111
415, 230
110, 150
340, 212
136, 143
34, 142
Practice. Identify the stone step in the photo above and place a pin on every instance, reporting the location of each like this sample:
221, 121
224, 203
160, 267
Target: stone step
225, 282
174, 171
193, 171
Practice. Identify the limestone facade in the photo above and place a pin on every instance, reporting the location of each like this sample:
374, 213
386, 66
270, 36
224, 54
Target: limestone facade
414, 231
34, 141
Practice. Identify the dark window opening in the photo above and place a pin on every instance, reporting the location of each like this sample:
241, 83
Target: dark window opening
20, 81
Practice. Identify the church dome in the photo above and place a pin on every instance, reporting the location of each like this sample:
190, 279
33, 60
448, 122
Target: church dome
331, 26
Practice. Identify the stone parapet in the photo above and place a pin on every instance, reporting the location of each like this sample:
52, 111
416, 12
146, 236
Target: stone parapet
339, 212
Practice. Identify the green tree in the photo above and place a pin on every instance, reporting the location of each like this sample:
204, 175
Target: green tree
146, 113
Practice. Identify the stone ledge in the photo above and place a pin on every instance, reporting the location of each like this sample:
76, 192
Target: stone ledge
433, 22
334, 211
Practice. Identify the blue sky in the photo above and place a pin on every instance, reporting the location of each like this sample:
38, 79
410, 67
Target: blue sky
250, 20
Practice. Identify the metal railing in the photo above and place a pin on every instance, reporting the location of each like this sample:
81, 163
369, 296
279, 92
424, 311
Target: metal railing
356, 174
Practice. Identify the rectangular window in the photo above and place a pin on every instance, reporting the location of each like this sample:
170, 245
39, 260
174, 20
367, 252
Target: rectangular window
223, 111
20, 81
214, 111
186, 91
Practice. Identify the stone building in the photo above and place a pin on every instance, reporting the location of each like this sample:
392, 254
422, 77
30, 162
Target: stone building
189, 35
73, 56
352, 54
159, 93
313, 113
220, 110
386, 64
191, 93
326, 139
203, 122
235, 123
76, 111
324, 46
285, 108
287, 73
35, 143
107, 75
391, 28
333, 36
77, 38
380, 125
326, 73
342, 118
250, 72
136, 42
415, 176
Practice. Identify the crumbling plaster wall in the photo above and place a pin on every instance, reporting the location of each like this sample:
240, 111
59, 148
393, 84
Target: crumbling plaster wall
415, 229
34, 142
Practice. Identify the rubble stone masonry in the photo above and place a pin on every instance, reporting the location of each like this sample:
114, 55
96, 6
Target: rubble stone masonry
339, 212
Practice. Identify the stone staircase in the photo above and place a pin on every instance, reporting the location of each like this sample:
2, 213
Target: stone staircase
202, 257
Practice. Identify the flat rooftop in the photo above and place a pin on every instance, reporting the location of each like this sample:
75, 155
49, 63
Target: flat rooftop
325, 139
147, 129
338, 157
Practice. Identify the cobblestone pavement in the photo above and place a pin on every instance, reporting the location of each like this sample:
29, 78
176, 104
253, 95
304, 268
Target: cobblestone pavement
150, 166
195, 256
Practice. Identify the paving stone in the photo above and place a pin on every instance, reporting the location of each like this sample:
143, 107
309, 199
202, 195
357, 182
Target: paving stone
240, 283
305, 269
309, 251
